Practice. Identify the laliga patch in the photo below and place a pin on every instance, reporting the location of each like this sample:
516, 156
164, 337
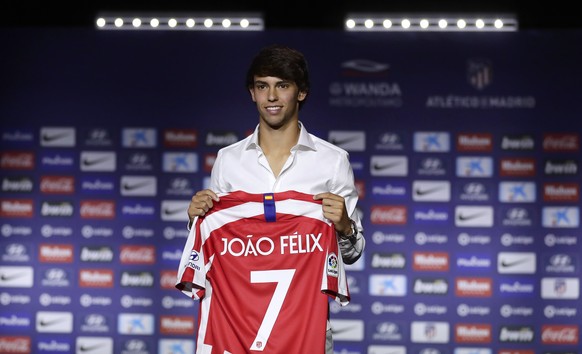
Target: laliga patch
332, 265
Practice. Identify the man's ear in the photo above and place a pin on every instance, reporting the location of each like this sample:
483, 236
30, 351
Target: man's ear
301, 96
252, 94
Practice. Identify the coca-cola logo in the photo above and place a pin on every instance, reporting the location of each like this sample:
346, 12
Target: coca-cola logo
57, 184
97, 209
388, 215
561, 142
560, 334
17, 160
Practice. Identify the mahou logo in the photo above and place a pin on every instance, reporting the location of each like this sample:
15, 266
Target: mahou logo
97, 209
472, 333
430, 261
517, 167
50, 253
16, 208
182, 138
388, 215
560, 334
475, 142
473, 287
96, 278
179, 325
561, 192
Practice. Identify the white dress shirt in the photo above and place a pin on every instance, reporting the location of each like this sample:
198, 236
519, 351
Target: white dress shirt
314, 166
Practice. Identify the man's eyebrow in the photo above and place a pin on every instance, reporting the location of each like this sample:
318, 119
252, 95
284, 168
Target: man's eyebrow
276, 83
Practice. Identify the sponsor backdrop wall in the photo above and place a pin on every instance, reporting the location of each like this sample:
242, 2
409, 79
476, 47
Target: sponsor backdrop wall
465, 148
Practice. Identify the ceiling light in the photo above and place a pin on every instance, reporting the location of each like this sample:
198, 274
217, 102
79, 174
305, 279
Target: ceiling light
430, 22
188, 21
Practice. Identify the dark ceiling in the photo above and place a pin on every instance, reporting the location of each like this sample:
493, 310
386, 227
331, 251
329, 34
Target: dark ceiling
557, 14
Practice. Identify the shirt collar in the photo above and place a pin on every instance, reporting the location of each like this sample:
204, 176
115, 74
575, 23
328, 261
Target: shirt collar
305, 141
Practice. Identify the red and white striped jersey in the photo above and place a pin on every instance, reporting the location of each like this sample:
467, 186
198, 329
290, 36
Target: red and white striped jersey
264, 267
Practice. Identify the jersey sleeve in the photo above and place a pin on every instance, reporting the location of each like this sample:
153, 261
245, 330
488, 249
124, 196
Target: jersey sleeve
334, 279
191, 277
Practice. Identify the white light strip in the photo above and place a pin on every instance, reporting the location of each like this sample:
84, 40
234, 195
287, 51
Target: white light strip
430, 23
177, 22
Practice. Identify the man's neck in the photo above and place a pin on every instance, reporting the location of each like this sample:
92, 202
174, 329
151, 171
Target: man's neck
280, 140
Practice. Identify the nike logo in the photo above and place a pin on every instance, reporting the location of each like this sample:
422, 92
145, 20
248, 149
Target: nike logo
343, 141
130, 187
44, 322
48, 138
427, 191
86, 348
385, 166
464, 217
341, 330
506, 263
8, 277
89, 162
174, 211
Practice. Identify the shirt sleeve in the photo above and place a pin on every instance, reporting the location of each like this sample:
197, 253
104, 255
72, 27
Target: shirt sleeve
215, 178
345, 186
351, 252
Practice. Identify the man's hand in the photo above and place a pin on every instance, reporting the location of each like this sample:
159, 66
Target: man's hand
334, 209
201, 202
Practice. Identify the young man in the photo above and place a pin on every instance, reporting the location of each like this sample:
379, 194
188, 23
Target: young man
282, 156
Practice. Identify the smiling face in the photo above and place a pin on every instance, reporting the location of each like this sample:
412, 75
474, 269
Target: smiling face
277, 100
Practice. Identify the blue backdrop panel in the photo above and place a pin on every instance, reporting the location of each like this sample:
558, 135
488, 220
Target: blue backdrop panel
465, 148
